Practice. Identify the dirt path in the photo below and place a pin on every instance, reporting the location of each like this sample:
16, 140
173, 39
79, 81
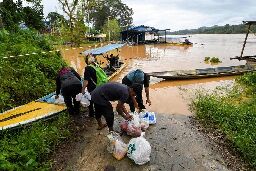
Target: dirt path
176, 145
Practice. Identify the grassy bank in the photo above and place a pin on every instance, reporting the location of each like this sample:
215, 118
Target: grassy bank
29, 148
25, 78
28, 77
234, 113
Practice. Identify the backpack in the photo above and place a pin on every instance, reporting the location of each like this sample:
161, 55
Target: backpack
100, 74
67, 77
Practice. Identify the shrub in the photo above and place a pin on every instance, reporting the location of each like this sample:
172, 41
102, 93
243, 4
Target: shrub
234, 114
29, 149
215, 60
206, 59
26, 78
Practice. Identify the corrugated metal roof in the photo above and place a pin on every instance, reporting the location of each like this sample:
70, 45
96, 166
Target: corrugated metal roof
101, 50
141, 28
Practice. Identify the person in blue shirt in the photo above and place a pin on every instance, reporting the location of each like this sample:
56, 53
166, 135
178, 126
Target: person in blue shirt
141, 79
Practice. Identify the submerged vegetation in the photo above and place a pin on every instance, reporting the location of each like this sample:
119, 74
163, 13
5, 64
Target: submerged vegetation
212, 60
215, 60
233, 113
206, 59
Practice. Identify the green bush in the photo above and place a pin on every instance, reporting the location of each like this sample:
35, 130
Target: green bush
212, 59
29, 149
215, 60
23, 79
234, 114
26, 78
206, 59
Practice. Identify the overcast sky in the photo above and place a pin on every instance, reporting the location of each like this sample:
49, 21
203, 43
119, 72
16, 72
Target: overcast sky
183, 14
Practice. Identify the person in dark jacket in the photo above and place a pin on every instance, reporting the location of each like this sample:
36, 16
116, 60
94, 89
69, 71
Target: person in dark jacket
68, 82
112, 91
90, 80
140, 78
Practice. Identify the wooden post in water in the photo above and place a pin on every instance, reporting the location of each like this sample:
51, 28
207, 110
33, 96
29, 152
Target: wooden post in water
164, 36
245, 40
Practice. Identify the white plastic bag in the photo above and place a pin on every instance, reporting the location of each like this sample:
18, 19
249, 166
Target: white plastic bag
59, 100
151, 116
134, 127
139, 150
116, 125
84, 98
79, 97
144, 123
120, 149
116, 146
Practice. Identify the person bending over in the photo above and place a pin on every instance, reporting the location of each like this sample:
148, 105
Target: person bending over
140, 78
68, 82
103, 95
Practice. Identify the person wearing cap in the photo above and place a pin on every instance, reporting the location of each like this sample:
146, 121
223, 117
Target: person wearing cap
140, 78
90, 79
103, 95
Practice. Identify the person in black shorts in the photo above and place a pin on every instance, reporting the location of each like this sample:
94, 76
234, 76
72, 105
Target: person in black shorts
112, 91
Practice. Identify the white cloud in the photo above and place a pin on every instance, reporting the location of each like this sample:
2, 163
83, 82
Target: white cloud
51, 6
183, 14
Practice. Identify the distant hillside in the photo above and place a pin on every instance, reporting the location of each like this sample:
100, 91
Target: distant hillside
227, 29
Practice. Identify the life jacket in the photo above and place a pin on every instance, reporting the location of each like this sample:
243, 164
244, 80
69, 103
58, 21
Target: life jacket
102, 77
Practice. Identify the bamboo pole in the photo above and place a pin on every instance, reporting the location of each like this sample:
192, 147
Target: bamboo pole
245, 40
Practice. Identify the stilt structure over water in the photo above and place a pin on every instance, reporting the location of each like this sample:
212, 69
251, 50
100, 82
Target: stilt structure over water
251, 58
143, 35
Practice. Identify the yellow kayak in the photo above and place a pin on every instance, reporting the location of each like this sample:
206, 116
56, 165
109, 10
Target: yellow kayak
28, 113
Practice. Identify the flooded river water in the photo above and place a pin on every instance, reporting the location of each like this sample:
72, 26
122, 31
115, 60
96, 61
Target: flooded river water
168, 96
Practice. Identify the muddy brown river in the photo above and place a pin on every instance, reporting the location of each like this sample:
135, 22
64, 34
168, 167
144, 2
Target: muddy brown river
169, 96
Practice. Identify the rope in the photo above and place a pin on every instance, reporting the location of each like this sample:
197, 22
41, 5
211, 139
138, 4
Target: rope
43, 52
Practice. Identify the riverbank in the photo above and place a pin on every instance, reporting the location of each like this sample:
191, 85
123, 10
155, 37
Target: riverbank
231, 111
176, 145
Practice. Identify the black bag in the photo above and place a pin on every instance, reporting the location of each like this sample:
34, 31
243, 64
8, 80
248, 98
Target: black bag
68, 78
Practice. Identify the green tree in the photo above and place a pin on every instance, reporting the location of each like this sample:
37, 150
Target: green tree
70, 9
56, 21
226, 29
33, 15
11, 14
112, 29
113, 9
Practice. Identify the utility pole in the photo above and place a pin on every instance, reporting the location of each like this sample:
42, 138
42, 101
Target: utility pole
108, 30
88, 22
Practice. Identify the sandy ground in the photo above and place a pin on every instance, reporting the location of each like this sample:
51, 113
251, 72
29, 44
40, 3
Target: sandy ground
176, 145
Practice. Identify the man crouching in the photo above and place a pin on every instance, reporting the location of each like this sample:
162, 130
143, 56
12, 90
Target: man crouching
101, 98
